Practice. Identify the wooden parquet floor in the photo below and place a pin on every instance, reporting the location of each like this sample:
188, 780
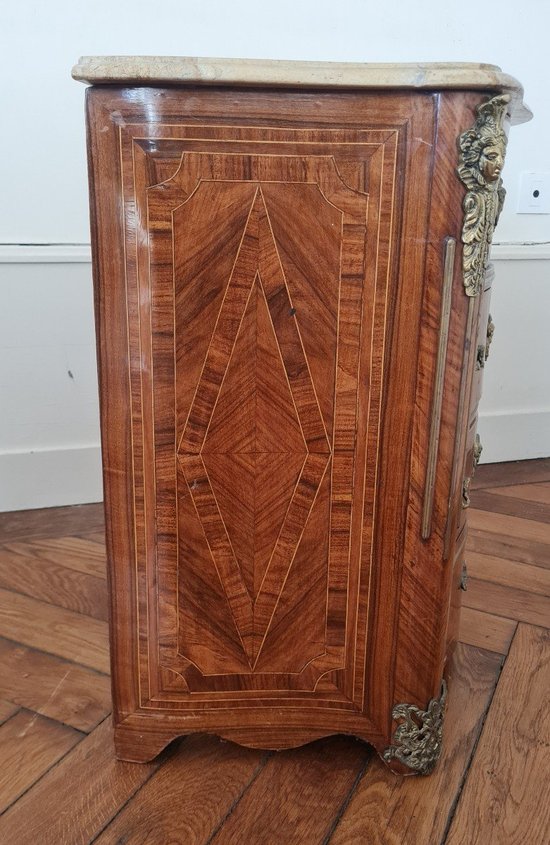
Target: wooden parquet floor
60, 783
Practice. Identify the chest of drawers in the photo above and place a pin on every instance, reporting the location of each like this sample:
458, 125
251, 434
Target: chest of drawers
290, 266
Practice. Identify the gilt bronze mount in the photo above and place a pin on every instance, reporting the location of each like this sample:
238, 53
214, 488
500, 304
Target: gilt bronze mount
481, 158
417, 739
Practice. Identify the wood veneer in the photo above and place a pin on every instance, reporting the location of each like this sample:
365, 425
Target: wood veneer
268, 279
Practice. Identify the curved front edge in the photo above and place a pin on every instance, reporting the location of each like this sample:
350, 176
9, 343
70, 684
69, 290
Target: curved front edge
417, 740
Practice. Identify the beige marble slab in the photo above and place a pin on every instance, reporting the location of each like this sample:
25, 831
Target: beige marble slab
156, 70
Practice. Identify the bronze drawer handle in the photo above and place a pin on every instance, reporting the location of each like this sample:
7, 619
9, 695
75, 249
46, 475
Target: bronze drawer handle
478, 449
466, 492
464, 577
483, 349
481, 356
490, 333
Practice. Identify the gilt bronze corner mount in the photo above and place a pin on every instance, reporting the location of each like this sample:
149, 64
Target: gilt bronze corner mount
417, 739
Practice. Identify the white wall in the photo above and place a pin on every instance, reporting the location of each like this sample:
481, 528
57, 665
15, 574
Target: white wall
48, 431
49, 428
514, 421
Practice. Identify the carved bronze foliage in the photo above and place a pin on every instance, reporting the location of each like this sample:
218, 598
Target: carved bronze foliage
417, 740
482, 150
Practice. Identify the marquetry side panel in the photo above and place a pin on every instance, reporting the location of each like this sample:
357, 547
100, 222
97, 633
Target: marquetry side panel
257, 394
272, 279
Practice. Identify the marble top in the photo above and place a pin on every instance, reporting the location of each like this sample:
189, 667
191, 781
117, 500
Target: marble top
157, 70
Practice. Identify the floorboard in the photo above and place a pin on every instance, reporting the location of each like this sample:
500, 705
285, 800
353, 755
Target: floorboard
527, 492
507, 602
509, 573
506, 799
494, 502
30, 745
189, 797
509, 526
94, 537
51, 522
55, 630
72, 694
76, 799
78, 553
7, 709
510, 548
511, 472
485, 630
55, 584
300, 793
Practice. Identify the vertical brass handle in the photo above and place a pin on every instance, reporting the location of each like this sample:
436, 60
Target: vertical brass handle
439, 380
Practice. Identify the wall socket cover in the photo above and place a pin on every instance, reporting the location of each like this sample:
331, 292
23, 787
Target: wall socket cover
534, 193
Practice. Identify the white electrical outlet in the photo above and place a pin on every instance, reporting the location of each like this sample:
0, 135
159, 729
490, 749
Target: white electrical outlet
534, 193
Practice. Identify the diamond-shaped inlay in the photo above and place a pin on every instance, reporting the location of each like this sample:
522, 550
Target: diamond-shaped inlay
254, 449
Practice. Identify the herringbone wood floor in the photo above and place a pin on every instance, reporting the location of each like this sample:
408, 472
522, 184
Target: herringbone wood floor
60, 784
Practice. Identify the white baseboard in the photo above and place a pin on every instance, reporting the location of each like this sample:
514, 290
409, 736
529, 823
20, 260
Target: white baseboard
45, 254
514, 436
49, 478
520, 252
